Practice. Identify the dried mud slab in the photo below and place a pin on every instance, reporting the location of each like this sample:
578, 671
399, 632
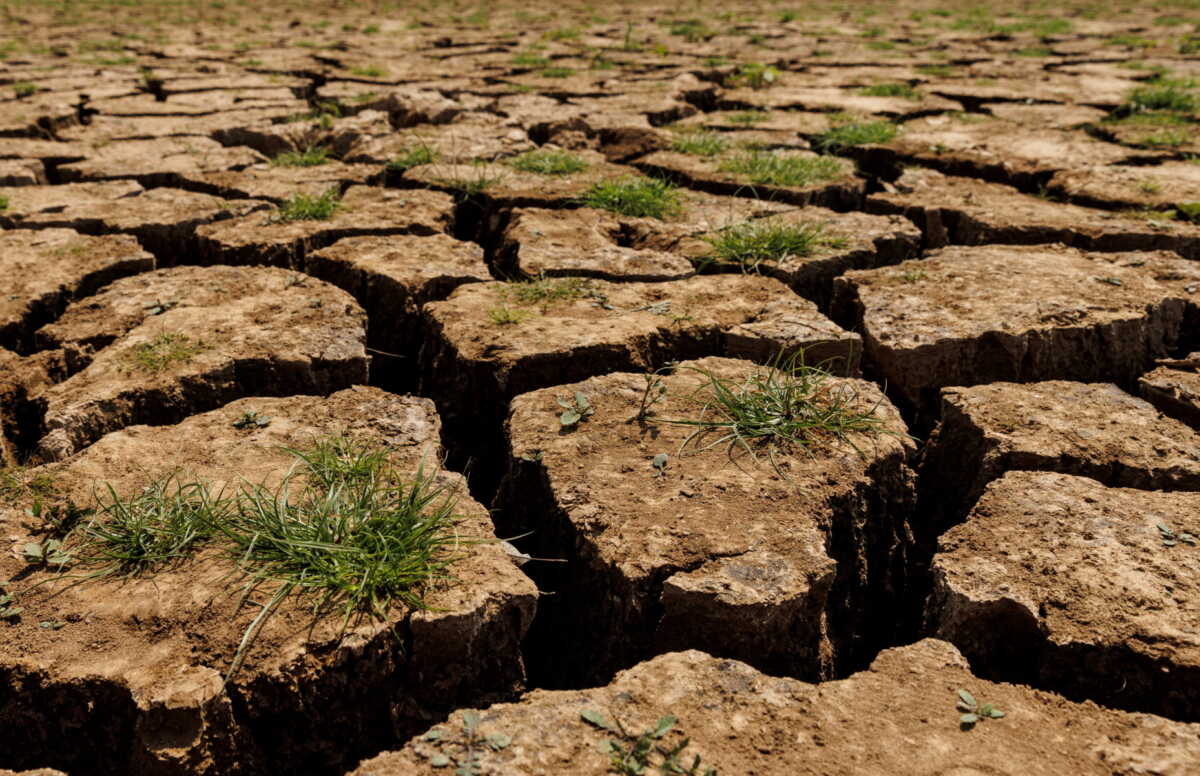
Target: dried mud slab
846, 241
20, 378
164, 221
472, 136
970, 212
843, 191
134, 676
157, 347
1061, 582
743, 722
261, 238
277, 183
159, 162
42, 271
1174, 388
32, 201
971, 315
505, 185
1160, 186
22, 172
794, 563
393, 277
1090, 430
797, 96
338, 137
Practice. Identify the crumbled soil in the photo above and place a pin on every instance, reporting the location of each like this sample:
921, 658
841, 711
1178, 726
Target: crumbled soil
1091, 430
1174, 388
1063, 583
1059, 313
135, 674
742, 721
157, 162
233, 331
715, 551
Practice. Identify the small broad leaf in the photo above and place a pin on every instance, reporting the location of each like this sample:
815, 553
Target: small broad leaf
962, 706
968, 698
11, 612
593, 717
439, 761
969, 719
660, 462
470, 721
498, 741
52, 624
569, 418
664, 726
581, 401
995, 713
433, 735
566, 405
33, 552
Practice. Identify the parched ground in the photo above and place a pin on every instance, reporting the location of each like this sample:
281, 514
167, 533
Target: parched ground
579, 268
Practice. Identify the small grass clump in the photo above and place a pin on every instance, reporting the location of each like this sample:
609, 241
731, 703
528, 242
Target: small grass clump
1163, 94
890, 90
414, 157
769, 168
786, 407
306, 207
24, 89
557, 72
3, 202
547, 162
506, 316
854, 134
545, 291
308, 157
163, 352
700, 143
369, 71
635, 197
530, 59
469, 186
748, 117
754, 242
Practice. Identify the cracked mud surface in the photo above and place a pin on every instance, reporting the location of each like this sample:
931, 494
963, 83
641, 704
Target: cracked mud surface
523, 250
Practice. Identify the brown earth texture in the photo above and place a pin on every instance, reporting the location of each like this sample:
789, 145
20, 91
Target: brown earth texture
487, 388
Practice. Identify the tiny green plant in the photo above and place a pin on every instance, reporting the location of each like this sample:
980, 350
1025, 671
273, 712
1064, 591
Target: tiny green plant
854, 134
252, 419
546, 291
163, 351
557, 72
369, 71
47, 553
468, 751
973, 711
654, 392
771, 168
58, 519
659, 462
1149, 186
530, 59
3, 202
1170, 537
633, 754
757, 75
891, 90
751, 243
411, 158
788, 406
548, 162
635, 197
468, 186
912, 275
8, 606
307, 207
699, 143
1189, 211
574, 411
24, 89
506, 316
1163, 94
308, 157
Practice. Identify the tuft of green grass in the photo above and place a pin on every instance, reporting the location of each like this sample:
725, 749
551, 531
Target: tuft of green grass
530, 59
937, 71
545, 291
163, 351
1190, 45
557, 72
786, 407
411, 158
748, 117
369, 71
506, 316
1188, 211
891, 90
700, 143
769, 168
756, 75
635, 197
3, 202
306, 207
24, 88
854, 134
1164, 94
751, 243
470, 186
563, 33
547, 162
309, 157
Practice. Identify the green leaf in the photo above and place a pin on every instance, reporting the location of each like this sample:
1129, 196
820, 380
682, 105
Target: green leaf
581, 401
433, 735
439, 761
470, 721
968, 698
52, 624
593, 717
33, 551
995, 713
664, 726
963, 706
569, 418
11, 612
969, 719
660, 461
498, 741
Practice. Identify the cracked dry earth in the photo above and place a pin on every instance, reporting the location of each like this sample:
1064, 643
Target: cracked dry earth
227, 231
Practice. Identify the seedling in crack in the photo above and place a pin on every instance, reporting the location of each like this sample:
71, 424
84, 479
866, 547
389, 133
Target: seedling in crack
548, 162
751, 243
635, 197
973, 711
252, 419
575, 411
633, 754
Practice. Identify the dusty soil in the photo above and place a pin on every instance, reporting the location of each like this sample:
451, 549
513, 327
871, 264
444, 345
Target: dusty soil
137, 669
311, 209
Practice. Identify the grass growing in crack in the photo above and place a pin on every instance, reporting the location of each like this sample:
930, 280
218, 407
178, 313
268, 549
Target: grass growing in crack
468, 186
309, 157
854, 134
1163, 94
770, 168
699, 143
890, 90
163, 352
545, 291
547, 162
411, 158
751, 243
306, 207
786, 407
635, 197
